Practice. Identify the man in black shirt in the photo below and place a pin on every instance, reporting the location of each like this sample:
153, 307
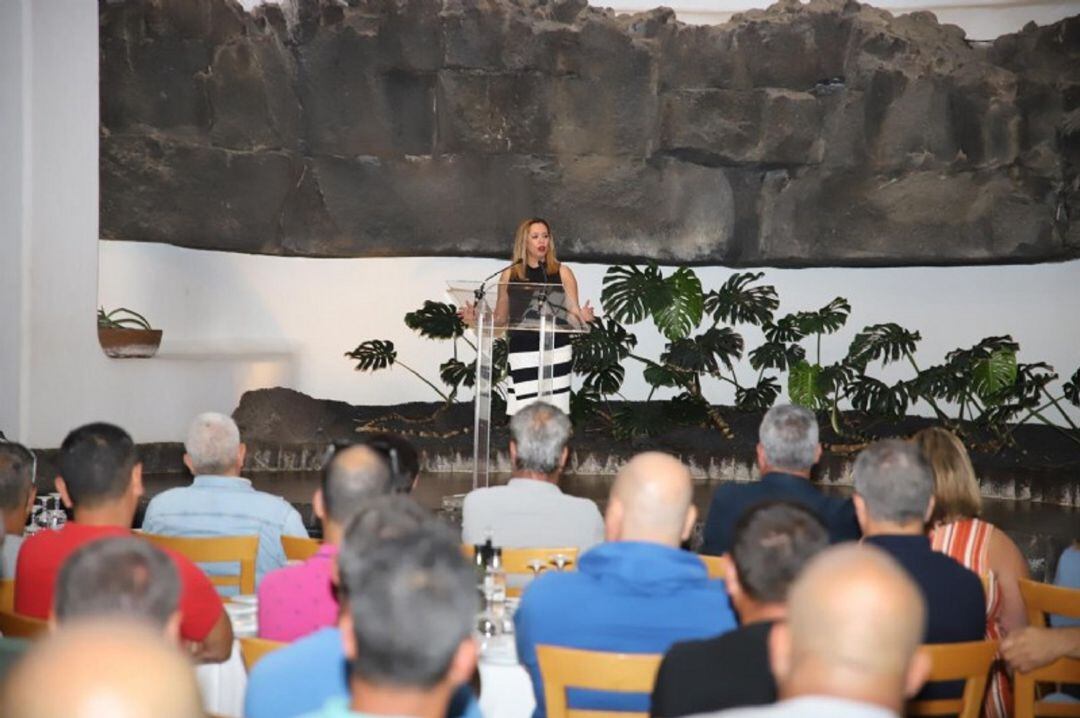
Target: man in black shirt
772, 543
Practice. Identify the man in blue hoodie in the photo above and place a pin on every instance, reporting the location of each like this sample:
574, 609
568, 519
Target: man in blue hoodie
636, 593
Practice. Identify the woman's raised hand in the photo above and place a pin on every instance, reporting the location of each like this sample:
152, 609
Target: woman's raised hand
467, 312
587, 313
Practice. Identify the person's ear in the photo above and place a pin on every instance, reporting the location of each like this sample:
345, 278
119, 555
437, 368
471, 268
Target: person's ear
917, 673
31, 496
817, 452
241, 454
780, 652
564, 457
61, 488
929, 510
172, 626
860, 511
463, 664
762, 462
188, 463
318, 504
688, 525
348, 636
136, 481
731, 580
613, 520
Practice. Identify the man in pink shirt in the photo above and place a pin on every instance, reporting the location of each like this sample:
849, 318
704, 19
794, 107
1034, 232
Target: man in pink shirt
297, 600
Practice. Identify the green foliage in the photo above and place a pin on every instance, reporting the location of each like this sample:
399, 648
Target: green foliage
826, 320
374, 354
776, 355
1072, 388
803, 385
759, 397
876, 397
606, 379
122, 318
737, 303
607, 343
786, 329
887, 342
455, 373
436, 320
584, 404
675, 303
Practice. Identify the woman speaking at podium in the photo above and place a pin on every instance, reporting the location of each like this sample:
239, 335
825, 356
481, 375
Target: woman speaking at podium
534, 262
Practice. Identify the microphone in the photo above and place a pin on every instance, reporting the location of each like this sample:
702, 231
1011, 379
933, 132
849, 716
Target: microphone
479, 293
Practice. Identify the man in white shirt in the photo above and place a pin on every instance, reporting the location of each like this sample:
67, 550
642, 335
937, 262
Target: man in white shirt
17, 495
531, 510
849, 648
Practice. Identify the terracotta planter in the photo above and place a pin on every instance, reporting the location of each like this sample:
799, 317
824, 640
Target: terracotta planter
129, 343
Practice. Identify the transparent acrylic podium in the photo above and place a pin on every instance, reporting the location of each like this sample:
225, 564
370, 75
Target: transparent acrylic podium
510, 307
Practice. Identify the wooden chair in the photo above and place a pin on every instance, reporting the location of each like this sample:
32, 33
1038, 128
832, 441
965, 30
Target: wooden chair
716, 565
253, 649
16, 625
299, 548
969, 662
563, 668
7, 594
1041, 599
518, 560
215, 549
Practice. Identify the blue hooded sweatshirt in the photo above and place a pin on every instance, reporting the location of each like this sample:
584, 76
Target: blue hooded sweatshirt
625, 597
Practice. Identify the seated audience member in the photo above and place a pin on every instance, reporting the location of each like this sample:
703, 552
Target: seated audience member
17, 495
306, 674
101, 480
787, 450
219, 502
773, 542
111, 668
411, 605
123, 578
636, 593
894, 498
401, 457
1067, 575
297, 600
957, 531
531, 510
849, 648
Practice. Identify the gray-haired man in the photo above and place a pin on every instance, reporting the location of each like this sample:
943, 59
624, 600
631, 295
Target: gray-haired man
219, 501
531, 510
787, 451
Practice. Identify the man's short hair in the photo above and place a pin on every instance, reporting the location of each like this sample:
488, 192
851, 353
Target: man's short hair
348, 485
380, 519
789, 435
413, 600
400, 456
773, 542
96, 461
540, 432
895, 480
16, 475
213, 443
124, 577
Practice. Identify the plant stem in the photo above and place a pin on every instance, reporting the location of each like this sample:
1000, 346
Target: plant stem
929, 399
1057, 405
819, 348
417, 374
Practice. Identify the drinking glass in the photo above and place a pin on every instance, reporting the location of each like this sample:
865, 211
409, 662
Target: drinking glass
561, 560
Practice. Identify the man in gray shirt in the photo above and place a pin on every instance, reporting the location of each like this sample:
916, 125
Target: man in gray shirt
531, 510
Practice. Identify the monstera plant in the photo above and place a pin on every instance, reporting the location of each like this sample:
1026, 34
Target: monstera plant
983, 386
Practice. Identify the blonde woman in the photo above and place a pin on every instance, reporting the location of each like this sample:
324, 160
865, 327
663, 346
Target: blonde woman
957, 530
534, 261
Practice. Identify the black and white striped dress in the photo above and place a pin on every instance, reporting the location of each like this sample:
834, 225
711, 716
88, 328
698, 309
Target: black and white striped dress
524, 357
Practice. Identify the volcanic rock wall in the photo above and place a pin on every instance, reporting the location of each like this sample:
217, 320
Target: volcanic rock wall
823, 134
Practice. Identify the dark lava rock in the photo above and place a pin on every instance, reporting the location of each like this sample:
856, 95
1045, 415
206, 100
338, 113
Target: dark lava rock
830, 133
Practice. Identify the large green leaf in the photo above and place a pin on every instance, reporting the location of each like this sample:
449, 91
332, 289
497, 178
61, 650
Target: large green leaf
627, 292
723, 343
776, 355
992, 374
888, 342
833, 378
803, 385
826, 320
584, 404
678, 308
757, 398
605, 380
686, 409
436, 320
878, 398
658, 375
688, 355
1072, 388
608, 342
942, 381
455, 373
736, 303
640, 421
374, 354
784, 330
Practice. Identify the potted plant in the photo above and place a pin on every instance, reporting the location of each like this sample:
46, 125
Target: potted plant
126, 334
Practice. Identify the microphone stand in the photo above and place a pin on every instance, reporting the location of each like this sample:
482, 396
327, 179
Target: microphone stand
479, 293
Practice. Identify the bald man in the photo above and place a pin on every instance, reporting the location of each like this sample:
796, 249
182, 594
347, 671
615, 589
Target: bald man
636, 593
110, 669
849, 648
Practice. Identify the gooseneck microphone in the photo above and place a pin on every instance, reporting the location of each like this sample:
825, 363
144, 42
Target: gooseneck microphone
479, 293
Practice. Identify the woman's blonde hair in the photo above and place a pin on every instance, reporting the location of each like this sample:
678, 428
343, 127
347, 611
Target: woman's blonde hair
520, 237
956, 492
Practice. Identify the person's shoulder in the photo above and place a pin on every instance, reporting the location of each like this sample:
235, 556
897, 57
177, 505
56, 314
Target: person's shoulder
314, 652
697, 651
168, 496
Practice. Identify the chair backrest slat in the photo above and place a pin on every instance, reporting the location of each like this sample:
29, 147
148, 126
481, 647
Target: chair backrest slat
16, 625
1042, 599
299, 548
969, 662
252, 650
562, 668
217, 549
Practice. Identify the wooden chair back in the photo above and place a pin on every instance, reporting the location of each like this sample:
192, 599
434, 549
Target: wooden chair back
7, 594
1041, 599
299, 548
521, 561
716, 565
969, 662
16, 625
562, 668
217, 549
252, 650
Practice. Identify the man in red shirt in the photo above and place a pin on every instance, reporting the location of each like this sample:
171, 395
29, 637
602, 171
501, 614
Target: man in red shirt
101, 480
